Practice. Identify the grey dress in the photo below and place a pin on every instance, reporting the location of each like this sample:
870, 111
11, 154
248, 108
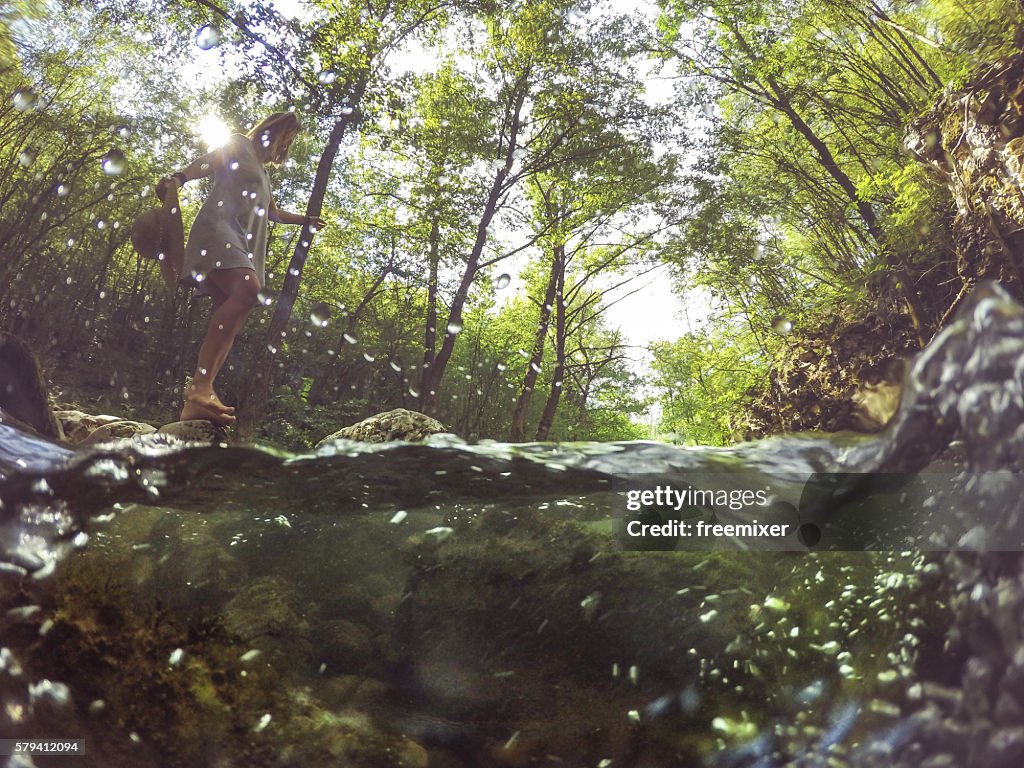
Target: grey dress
230, 230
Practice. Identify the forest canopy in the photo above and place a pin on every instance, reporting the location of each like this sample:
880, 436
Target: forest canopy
499, 179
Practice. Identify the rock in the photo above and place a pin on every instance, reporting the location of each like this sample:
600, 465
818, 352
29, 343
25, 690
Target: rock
344, 646
973, 140
118, 430
78, 425
353, 691
195, 431
22, 392
398, 424
264, 616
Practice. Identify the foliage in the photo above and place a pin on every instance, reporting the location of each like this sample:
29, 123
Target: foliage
703, 379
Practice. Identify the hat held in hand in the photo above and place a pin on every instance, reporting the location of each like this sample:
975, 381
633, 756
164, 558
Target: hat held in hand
158, 234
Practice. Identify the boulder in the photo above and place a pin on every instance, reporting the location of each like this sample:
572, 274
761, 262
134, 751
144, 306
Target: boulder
22, 391
78, 425
195, 431
117, 430
398, 424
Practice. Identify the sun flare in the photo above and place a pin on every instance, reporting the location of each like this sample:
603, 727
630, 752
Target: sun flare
213, 131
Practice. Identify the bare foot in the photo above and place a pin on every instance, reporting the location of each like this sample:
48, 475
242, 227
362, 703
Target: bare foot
196, 408
216, 403
209, 400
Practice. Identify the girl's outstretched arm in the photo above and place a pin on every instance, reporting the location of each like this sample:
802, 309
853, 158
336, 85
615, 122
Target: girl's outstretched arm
286, 217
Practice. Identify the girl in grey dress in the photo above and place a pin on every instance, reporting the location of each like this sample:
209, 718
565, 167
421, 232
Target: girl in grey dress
227, 246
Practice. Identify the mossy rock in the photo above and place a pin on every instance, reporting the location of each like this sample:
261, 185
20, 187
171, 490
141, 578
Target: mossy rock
399, 424
195, 431
118, 430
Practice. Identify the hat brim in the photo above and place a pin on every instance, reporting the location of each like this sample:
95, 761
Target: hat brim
159, 234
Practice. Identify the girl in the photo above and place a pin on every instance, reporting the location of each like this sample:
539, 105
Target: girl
227, 245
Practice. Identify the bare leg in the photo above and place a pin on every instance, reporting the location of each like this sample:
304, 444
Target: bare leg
214, 400
239, 288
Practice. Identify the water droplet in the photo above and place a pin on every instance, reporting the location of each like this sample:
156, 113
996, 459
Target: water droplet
207, 37
26, 157
501, 366
326, 78
320, 314
454, 328
395, 366
114, 162
502, 281
782, 326
25, 99
346, 110
123, 131
265, 298
349, 338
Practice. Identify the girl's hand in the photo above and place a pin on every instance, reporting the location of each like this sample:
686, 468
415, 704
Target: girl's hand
164, 184
316, 222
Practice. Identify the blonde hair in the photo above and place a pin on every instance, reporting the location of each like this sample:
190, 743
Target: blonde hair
275, 133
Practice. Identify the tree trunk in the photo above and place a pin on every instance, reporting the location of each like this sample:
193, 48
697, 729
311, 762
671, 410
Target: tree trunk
255, 397
430, 330
432, 378
517, 434
318, 392
547, 418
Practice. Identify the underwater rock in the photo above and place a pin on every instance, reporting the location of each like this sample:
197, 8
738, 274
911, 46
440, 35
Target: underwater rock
398, 424
117, 430
531, 622
344, 646
195, 431
22, 391
265, 616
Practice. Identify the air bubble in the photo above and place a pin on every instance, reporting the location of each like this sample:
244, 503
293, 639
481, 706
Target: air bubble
320, 315
502, 281
25, 99
207, 37
114, 162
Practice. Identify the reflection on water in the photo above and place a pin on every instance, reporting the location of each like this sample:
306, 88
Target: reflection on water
455, 605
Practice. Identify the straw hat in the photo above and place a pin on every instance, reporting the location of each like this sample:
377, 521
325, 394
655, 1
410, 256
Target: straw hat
158, 234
